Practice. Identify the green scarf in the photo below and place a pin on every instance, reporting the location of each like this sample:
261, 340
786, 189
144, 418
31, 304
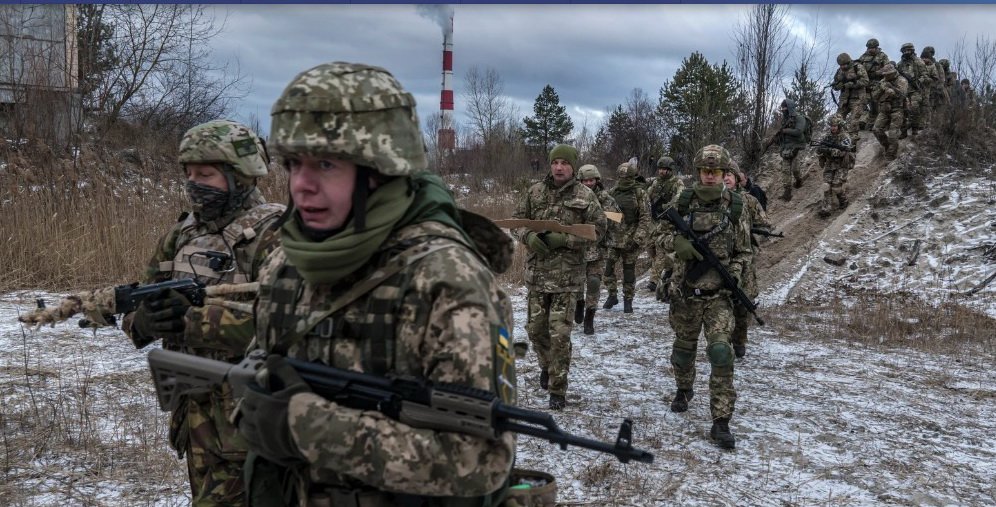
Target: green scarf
399, 203
626, 184
708, 193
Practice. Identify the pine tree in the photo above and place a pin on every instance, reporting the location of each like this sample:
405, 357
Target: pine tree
810, 98
612, 139
550, 122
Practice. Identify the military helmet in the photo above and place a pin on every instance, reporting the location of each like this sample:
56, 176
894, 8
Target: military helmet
945, 64
588, 172
225, 142
928, 51
843, 59
907, 47
872, 43
713, 156
352, 111
888, 70
837, 120
626, 170
665, 163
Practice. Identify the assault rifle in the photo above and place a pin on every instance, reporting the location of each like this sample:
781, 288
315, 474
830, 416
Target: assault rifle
851, 148
417, 403
913, 83
765, 232
711, 261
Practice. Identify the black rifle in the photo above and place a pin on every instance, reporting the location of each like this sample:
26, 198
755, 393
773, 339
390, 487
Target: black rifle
417, 403
913, 84
127, 298
765, 232
710, 260
851, 148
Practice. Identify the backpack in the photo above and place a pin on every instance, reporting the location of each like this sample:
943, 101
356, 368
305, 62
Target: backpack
807, 131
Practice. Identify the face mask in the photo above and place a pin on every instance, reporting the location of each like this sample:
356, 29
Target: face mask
209, 203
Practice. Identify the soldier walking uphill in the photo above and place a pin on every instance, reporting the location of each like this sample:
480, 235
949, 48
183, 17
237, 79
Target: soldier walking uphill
851, 80
938, 97
836, 157
873, 60
629, 240
753, 217
699, 301
919, 81
890, 95
231, 222
555, 268
662, 191
595, 256
377, 272
791, 140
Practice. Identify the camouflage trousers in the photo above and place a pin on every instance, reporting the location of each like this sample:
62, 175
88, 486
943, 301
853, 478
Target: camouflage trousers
853, 110
628, 257
834, 178
551, 318
870, 112
914, 119
886, 128
592, 283
215, 451
713, 316
741, 317
790, 167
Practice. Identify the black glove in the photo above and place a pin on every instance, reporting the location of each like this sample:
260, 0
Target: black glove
264, 422
161, 316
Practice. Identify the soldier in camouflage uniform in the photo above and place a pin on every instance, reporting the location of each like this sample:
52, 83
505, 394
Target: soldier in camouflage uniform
753, 217
851, 80
938, 96
791, 140
915, 73
555, 268
377, 272
662, 191
890, 94
629, 241
836, 163
703, 304
232, 223
595, 257
873, 59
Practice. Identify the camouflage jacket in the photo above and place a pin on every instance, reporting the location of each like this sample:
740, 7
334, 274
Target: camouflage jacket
753, 216
728, 241
890, 94
664, 190
573, 203
916, 75
873, 64
427, 306
833, 158
938, 92
851, 83
597, 251
634, 230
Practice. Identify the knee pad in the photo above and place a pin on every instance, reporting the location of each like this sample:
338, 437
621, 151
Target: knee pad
682, 358
592, 283
720, 354
629, 273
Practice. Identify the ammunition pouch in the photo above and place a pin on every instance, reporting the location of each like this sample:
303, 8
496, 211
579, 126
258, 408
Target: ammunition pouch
530, 488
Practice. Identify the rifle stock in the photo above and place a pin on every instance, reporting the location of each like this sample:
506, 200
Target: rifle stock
417, 403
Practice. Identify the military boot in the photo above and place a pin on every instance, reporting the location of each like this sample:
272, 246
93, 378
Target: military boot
681, 398
721, 433
824, 213
740, 351
610, 301
544, 379
557, 402
579, 311
628, 305
651, 286
589, 321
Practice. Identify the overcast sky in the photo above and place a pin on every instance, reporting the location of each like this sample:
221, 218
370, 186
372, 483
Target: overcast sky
592, 55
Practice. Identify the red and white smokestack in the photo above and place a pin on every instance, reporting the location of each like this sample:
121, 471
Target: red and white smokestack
447, 136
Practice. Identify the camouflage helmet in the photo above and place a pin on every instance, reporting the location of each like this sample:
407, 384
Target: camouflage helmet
837, 121
927, 51
352, 111
626, 170
872, 43
713, 156
843, 59
225, 142
945, 64
589, 172
907, 47
665, 163
888, 70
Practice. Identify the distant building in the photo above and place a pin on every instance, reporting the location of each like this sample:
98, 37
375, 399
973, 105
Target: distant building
39, 90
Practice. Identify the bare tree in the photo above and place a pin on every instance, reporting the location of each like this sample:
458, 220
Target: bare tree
764, 45
646, 134
487, 107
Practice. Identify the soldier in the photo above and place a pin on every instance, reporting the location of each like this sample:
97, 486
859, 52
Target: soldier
377, 272
230, 221
753, 217
836, 162
703, 304
938, 96
851, 80
629, 240
791, 140
595, 256
665, 187
915, 73
554, 265
890, 95
873, 60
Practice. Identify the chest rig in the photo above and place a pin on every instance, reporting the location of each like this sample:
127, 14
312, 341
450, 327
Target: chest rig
713, 223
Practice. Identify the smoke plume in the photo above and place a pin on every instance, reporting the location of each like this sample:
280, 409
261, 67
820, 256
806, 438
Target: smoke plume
440, 13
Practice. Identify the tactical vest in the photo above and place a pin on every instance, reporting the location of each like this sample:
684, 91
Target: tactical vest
629, 203
197, 256
713, 224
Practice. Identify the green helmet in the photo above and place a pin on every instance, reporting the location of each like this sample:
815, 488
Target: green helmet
928, 51
588, 172
713, 156
945, 64
225, 142
665, 163
907, 47
837, 120
352, 111
626, 170
888, 70
872, 43
843, 59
